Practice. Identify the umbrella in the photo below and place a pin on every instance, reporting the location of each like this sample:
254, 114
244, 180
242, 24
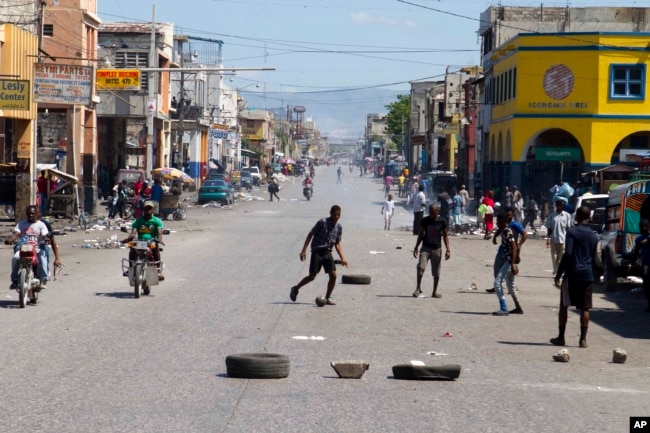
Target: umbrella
367, 158
288, 161
170, 173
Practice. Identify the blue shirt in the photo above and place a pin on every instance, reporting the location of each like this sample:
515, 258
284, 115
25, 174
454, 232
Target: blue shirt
517, 230
156, 192
579, 254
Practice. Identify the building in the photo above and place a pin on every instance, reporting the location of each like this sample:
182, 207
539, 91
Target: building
564, 97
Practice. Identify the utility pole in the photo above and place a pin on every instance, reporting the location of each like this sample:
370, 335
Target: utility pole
151, 148
181, 106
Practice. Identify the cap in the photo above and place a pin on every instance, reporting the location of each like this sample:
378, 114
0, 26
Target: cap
147, 204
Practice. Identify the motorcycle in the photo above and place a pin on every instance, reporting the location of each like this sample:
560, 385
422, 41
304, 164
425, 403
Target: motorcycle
27, 275
143, 272
307, 191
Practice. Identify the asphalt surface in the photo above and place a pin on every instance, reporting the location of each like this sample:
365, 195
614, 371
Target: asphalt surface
91, 358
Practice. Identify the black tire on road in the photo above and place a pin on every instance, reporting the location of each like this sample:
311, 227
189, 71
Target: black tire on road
22, 287
257, 366
137, 279
355, 279
426, 372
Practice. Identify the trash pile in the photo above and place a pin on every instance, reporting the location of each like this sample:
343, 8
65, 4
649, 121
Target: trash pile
112, 242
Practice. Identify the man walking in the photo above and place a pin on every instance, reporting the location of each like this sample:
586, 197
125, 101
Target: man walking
419, 204
509, 252
557, 224
339, 174
324, 236
433, 230
576, 267
464, 195
156, 196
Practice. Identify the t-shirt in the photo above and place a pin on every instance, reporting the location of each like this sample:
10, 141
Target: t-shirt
507, 239
32, 233
419, 202
457, 204
433, 230
326, 235
579, 254
389, 207
156, 192
148, 229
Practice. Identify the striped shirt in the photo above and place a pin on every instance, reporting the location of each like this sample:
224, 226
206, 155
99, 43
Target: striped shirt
326, 235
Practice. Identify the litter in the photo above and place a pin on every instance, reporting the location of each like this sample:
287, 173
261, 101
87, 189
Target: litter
436, 354
447, 334
377, 252
304, 337
416, 362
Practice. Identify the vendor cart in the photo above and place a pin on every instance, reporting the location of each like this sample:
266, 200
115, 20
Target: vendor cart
171, 203
63, 200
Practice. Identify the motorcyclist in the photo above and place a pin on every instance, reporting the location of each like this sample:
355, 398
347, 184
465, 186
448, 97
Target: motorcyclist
312, 172
308, 183
148, 228
31, 231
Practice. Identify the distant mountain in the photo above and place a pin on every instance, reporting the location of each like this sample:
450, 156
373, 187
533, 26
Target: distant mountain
340, 116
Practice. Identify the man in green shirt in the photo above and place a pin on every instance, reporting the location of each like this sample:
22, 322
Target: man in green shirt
148, 227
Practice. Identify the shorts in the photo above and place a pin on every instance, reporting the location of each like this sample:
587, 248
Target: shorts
321, 260
457, 220
435, 256
576, 293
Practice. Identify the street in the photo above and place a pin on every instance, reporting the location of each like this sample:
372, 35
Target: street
91, 358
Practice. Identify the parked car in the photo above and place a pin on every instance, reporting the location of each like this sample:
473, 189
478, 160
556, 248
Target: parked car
627, 205
219, 176
216, 190
255, 173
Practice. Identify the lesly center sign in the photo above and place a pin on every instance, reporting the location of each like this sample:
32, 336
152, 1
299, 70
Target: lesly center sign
14, 95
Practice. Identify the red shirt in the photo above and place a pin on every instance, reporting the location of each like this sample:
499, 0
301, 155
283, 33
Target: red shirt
42, 185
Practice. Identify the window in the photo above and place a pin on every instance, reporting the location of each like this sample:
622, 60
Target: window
627, 81
48, 30
134, 60
514, 83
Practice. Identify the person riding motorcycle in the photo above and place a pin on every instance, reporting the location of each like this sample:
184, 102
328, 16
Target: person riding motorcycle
31, 231
147, 228
308, 183
312, 172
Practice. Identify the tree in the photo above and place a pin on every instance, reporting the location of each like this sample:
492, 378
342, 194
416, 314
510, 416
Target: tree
398, 115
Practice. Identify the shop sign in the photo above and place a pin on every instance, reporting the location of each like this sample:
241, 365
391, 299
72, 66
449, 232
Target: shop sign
218, 131
118, 79
24, 150
14, 94
62, 84
557, 154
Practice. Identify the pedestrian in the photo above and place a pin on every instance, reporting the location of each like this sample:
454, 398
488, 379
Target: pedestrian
273, 187
445, 204
576, 267
433, 231
401, 185
324, 236
456, 207
419, 204
520, 237
464, 195
642, 249
518, 204
507, 198
42, 185
339, 175
530, 213
543, 209
488, 201
508, 270
557, 224
387, 210
156, 196
388, 183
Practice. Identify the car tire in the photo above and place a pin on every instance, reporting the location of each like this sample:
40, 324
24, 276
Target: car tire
257, 366
355, 279
426, 372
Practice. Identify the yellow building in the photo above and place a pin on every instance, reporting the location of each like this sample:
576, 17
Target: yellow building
564, 104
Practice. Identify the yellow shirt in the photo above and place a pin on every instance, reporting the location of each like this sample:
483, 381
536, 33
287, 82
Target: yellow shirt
400, 179
406, 172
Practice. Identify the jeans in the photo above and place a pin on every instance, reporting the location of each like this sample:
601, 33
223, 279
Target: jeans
506, 274
42, 265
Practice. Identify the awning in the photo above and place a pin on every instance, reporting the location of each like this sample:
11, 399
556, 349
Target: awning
248, 151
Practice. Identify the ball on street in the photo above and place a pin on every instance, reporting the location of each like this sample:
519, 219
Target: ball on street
320, 301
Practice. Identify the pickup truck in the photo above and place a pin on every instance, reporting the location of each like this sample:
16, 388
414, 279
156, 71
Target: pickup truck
255, 173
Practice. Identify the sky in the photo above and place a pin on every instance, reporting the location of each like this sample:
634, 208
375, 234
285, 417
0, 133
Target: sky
332, 47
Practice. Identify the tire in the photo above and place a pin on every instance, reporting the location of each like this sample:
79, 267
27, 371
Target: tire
137, 279
426, 372
22, 287
145, 288
257, 366
355, 279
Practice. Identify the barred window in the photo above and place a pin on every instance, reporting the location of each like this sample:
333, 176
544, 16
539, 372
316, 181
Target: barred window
134, 60
627, 81
48, 29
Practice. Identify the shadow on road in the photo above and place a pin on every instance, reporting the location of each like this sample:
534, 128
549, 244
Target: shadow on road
119, 295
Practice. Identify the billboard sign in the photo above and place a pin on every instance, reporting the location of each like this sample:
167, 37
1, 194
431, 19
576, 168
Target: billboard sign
62, 84
14, 94
118, 79
557, 154
218, 131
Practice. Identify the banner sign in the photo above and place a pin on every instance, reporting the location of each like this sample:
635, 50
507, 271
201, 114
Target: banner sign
62, 84
557, 154
218, 131
118, 79
14, 94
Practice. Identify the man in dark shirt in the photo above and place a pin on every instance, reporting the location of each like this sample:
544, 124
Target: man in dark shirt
324, 236
576, 267
433, 230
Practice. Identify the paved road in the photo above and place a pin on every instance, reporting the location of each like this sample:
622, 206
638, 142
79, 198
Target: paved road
90, 358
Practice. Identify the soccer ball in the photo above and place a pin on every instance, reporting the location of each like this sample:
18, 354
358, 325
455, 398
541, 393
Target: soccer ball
320, 301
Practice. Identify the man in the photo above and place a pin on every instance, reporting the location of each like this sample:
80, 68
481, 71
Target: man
339, 174
507, 197
557, 224
519, 235
464, 195
456, 206
137, 186
324, 236
531, 213
642, 248
308, 183
401, 184
509, 252
419, 204
156, 195
433, 230
445, 204
576, 267
31, 231
42, 186
147, 228
388, 183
